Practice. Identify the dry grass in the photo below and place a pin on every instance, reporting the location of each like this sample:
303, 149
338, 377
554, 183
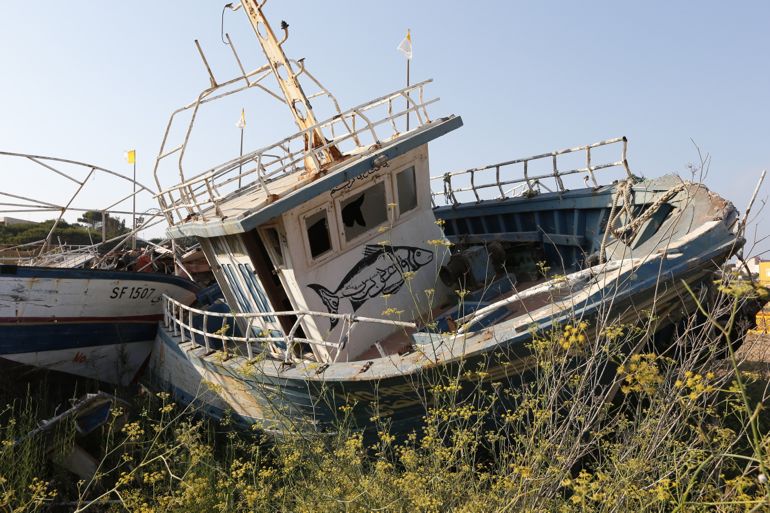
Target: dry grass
686, 432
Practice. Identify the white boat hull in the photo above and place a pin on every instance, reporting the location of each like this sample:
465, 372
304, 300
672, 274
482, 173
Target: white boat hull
95, 324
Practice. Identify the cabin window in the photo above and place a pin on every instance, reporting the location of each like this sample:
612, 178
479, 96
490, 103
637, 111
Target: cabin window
272, 241
317, 226
407, 190
364, 211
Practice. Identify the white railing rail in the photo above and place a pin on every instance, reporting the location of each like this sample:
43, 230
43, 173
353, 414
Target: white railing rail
179, 319
496, 182
63, 255
349, 131
66, 255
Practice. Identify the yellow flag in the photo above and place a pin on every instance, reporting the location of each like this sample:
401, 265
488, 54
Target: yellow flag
242, 122
130, 156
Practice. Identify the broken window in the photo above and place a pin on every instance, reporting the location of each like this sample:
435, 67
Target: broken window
364, 211
318, 238
407, 190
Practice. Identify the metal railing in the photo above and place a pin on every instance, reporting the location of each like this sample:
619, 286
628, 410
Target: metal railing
200, 195
65, 256
495, 182
179, 320
350, 131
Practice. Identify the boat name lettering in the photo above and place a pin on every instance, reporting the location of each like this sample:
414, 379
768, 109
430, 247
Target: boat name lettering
132, 292
346, 186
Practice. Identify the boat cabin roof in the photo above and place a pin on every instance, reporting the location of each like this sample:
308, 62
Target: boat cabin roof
246, 208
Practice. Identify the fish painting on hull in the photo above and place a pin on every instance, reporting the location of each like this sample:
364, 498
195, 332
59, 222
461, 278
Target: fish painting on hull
380, 271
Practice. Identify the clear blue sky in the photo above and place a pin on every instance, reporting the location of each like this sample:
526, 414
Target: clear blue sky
88, 80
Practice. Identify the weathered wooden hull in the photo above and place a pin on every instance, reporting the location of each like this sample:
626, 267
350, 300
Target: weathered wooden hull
90, 323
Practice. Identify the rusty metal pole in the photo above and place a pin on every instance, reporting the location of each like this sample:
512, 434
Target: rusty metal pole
290, 86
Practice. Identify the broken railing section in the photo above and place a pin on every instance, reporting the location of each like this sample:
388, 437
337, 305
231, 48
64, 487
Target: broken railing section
505, 180
179, 320
64, 256
77, 175
256, 79
350, 131
61, 255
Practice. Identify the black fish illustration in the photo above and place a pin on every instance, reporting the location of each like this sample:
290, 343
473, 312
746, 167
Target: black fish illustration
380, 271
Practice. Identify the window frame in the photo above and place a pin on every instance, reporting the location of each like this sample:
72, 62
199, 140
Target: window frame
374, 231
394, 185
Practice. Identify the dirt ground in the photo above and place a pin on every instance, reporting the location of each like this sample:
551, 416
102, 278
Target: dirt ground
754, 354
754, 357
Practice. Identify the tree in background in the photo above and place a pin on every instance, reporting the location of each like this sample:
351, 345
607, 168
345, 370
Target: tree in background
65, 233
115, 225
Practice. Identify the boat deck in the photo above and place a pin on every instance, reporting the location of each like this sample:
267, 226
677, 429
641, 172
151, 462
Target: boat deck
256, 197
402, 341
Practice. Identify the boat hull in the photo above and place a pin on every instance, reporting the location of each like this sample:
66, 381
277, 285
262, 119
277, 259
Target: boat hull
90, 323
640, 285
283, 401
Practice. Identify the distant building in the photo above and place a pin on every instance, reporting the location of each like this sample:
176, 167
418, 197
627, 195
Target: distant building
763, 277
759, 269
763, 274
8, 221
753, 264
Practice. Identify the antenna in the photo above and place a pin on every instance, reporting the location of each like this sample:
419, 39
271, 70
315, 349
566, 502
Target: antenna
290, 85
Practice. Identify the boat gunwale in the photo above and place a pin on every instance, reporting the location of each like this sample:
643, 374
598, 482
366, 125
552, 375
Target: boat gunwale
55, 273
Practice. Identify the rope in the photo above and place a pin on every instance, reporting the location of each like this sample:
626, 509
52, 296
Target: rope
624, 190
664, 198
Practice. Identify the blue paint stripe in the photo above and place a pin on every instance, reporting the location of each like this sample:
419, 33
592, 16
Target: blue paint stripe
51, 336
94, 274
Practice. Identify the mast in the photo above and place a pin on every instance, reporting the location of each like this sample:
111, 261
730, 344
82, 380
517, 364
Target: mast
290, 86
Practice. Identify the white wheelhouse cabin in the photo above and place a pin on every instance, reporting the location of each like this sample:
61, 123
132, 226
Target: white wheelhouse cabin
297, 249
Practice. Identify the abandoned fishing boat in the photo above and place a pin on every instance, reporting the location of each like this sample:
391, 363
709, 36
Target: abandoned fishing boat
55, 313
350, 282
